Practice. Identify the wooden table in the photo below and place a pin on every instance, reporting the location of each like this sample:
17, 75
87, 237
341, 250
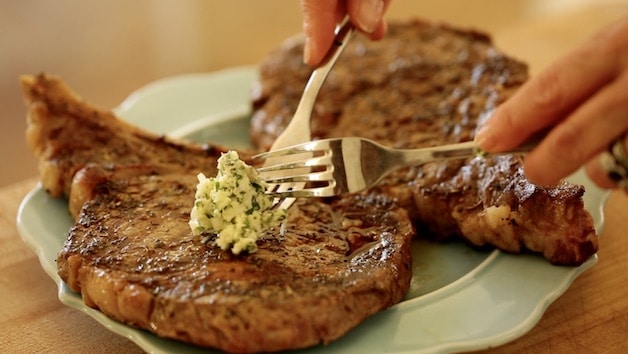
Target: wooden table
592, 316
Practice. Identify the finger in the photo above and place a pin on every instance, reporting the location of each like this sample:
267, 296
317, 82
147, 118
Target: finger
368, 15
582, 136
319, 20
598, 174
545, 100
381, 30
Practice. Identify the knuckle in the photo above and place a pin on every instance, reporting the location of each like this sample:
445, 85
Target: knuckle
567, 147
549, 94
508, 117
612, 49
613, 42
557, 156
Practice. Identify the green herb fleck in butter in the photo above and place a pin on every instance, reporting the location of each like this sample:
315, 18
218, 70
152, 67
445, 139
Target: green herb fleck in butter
233, 206
479, 152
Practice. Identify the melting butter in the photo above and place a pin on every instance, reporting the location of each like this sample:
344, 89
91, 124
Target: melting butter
233, 207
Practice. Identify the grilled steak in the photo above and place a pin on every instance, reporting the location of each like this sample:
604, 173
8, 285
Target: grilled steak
131, 253
427, 84
65, 134
489, 202
422, 84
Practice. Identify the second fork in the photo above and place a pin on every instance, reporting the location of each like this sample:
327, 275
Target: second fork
345, 165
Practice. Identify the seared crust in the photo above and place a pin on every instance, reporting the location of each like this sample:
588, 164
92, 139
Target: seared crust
490, 202
132, 255
65, 133
423, 84
428, 84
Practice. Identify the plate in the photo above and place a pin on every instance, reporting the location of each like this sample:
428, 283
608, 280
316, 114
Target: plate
460, 299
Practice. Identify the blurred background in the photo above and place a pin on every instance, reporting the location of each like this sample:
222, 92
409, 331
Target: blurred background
106, 49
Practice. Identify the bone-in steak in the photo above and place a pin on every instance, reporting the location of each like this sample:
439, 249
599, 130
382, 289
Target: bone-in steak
131, 253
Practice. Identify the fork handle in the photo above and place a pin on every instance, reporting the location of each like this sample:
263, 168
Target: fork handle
317, 78
298, 129
412, 157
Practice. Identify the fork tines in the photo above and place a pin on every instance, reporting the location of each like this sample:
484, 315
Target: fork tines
301, 163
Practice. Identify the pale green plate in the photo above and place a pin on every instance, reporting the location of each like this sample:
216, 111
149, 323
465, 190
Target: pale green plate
460, 299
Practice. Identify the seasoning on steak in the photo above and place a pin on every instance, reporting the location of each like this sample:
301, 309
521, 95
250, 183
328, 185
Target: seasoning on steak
428, 84
422, 84
489, 202
132, 255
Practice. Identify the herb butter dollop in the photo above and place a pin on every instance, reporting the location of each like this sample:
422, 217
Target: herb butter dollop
233, 206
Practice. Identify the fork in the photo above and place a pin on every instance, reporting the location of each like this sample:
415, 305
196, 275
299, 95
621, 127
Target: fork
298, 130
330, 167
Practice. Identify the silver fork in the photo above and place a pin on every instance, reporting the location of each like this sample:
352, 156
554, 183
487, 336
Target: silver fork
330, 167
298, 130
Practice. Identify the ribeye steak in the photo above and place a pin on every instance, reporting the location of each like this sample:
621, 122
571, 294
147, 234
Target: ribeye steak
428, 84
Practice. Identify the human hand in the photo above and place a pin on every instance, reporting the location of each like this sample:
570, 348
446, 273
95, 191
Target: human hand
321, 17
581, 101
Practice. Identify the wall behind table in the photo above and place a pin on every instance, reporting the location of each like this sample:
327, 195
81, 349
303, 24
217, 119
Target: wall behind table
105, 49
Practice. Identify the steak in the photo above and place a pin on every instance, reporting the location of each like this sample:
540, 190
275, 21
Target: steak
131, 253
422, 84
428, 84
489, 202
65, 133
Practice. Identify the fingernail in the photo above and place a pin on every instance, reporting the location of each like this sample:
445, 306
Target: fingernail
369, 15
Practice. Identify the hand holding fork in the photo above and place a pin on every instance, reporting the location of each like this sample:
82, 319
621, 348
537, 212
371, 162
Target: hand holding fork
298, 130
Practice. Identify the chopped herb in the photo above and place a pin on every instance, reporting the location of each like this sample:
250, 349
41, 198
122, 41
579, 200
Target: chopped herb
233, 205
479, 152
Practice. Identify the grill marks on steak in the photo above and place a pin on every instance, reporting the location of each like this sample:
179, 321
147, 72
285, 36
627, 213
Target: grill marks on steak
132, 255
422, 85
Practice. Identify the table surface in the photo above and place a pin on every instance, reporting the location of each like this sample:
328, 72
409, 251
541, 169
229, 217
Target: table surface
591, 316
